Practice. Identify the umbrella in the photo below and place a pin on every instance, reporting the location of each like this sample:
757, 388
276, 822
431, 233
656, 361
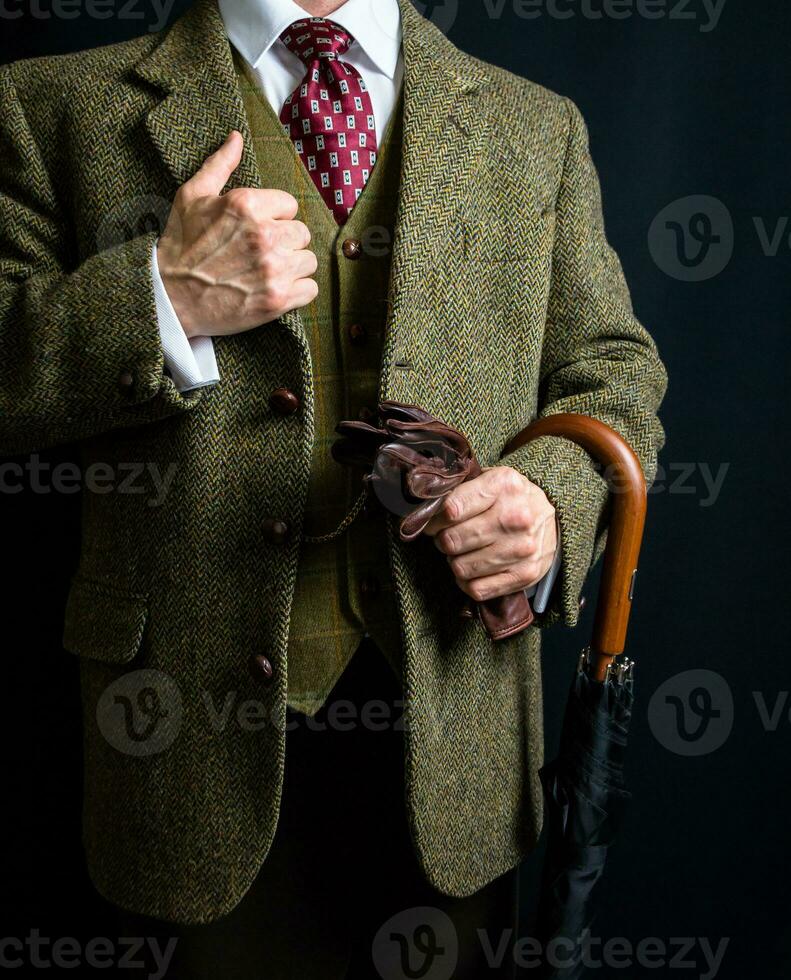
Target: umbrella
584, 786
413, 461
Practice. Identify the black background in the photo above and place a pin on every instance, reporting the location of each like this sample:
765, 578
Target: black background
674, 109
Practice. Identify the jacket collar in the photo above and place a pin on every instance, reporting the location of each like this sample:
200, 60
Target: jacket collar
253, 26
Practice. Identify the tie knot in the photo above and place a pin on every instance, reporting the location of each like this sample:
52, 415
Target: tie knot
316, 38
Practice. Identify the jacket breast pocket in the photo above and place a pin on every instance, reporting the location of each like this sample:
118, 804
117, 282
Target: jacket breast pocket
103, 623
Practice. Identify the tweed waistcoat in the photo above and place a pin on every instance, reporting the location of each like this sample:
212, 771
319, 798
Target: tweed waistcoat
343, 587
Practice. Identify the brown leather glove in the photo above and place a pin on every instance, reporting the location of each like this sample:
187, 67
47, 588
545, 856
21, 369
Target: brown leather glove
415, 460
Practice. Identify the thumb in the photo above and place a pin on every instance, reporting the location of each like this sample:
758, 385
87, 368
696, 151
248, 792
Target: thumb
217, 169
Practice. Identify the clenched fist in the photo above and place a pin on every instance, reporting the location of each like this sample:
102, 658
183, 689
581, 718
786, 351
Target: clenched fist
498, 532
233, 261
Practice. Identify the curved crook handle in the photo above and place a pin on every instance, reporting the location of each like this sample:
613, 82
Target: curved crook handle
628, 498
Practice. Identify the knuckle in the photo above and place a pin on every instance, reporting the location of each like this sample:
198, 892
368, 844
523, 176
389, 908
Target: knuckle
448, 541
511, 480
267, 232
239, 201
459, 569
513, 518
290, 202
303, 233
275, 297
182, 197
282, 202
529, 547
268, 264
450, 508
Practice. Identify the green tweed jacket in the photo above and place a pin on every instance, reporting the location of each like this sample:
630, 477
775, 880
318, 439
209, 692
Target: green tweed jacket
505, 303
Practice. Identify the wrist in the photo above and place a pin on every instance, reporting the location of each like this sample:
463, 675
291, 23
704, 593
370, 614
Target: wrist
172, 284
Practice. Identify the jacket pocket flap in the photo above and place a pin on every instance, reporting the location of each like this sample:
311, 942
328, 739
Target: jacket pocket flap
103, 623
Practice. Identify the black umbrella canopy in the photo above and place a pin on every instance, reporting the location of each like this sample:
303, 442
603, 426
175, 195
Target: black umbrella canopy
585, 803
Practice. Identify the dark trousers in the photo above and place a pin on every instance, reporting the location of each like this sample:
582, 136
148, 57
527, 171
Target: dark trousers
340, 895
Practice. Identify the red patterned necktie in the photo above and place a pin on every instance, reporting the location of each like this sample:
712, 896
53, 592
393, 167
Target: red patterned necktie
329, 116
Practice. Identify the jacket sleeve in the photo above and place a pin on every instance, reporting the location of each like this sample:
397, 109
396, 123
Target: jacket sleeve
596, 360
80, 351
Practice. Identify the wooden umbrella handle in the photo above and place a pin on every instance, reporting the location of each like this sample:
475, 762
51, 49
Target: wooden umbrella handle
628, 498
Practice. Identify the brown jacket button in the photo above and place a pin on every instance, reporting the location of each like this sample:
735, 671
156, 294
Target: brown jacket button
352, 248
260, 667
284, 401
370, 587
366, 414
274, 531
358, 334
126, 379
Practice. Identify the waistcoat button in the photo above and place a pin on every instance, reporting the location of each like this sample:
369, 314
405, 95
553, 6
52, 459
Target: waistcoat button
352, 248
284, 401
358, 334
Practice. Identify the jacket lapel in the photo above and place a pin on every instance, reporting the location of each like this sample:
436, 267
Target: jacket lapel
193, 69
446, 127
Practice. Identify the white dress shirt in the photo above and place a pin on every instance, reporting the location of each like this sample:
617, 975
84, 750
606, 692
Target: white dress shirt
254, 28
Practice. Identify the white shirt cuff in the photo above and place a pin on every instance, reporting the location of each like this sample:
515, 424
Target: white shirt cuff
190, 360
542, 590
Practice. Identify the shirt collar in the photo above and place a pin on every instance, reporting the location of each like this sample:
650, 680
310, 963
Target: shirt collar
253, 26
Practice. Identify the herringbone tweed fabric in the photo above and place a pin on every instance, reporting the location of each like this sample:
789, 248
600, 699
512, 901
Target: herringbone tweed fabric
332, 609
505, 302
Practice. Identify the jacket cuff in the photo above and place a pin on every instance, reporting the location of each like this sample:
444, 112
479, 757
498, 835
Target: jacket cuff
570, 479
191, 362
